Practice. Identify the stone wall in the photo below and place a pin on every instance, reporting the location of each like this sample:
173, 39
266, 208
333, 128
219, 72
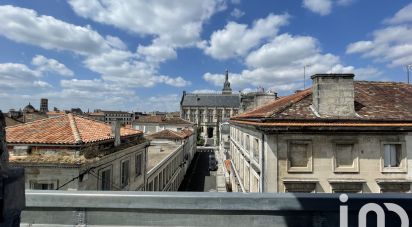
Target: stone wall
333, 94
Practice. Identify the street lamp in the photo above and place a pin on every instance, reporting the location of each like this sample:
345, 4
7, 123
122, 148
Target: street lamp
408, 69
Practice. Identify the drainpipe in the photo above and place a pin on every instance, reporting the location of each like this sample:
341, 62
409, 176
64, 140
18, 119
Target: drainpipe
262, 166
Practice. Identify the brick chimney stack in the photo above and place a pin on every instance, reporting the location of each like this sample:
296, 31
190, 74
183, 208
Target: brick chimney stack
333, 95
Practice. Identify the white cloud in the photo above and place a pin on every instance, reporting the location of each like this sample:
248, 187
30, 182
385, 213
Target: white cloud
237, 13
238, 39
278, 65
51, 65
206, 91
24, 25
18, 78
391, 44
174, 22
402, 16
106, 56
322, 7
115, 42
156, 53
161, 102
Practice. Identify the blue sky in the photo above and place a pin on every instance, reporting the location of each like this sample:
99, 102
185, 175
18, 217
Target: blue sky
141, 55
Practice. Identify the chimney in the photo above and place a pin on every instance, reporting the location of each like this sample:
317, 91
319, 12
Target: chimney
116, 132
333, 94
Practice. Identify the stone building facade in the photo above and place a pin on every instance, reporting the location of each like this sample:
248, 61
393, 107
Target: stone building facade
207, 111
170, 154
72, 152
109, 116
157, 123
339, 136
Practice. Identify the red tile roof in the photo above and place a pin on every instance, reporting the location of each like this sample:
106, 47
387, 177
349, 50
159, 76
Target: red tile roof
170, 134
375, 103
67, 129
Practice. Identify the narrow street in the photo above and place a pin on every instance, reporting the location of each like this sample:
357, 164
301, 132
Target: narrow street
198, 177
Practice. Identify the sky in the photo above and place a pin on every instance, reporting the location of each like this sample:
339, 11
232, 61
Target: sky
140, 55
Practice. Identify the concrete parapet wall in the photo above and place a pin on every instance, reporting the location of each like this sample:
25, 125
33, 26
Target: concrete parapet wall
50, 208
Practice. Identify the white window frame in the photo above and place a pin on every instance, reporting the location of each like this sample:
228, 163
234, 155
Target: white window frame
402, 168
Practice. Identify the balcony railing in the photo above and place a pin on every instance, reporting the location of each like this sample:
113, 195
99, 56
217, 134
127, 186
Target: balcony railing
89, 208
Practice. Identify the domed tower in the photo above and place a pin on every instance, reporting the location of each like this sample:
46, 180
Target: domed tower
29, 109
226, 86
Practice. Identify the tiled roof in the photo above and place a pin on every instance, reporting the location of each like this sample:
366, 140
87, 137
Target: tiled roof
211, 100
374, 102
67, 129
162, 120
11, 121
170, 134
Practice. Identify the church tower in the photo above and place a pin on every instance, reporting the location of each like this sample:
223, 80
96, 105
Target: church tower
226, 86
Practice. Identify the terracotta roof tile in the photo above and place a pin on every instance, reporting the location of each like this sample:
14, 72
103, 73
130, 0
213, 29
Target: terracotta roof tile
374, 101
170, 134
60, 130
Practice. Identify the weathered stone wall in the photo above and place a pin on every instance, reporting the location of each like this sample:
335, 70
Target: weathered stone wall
368, 147
333, 94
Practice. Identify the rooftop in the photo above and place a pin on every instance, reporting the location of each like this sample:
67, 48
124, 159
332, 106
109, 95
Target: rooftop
156, 153
162, 120
376, 103
211, 100
170, 134
67, 129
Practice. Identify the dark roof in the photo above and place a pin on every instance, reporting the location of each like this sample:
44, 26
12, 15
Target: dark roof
162, 120
211, 100
374, 102
11, 121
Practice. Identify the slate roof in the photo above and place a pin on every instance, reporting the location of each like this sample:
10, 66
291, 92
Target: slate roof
67, 129
376, 103
211, 100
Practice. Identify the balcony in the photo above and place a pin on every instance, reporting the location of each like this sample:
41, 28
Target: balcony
90, 208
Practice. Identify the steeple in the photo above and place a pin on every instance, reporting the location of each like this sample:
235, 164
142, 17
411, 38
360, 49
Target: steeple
226, 86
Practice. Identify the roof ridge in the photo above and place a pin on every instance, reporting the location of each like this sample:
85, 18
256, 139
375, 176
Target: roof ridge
74, 128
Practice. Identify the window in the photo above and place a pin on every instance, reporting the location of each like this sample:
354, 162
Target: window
299, 156
256, 149
247, 143
210, 115
138, 165
105, 177
392, 155
125, 173
43, 185
346, 157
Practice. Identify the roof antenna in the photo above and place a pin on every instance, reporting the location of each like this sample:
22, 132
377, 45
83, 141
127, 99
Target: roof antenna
408, 69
